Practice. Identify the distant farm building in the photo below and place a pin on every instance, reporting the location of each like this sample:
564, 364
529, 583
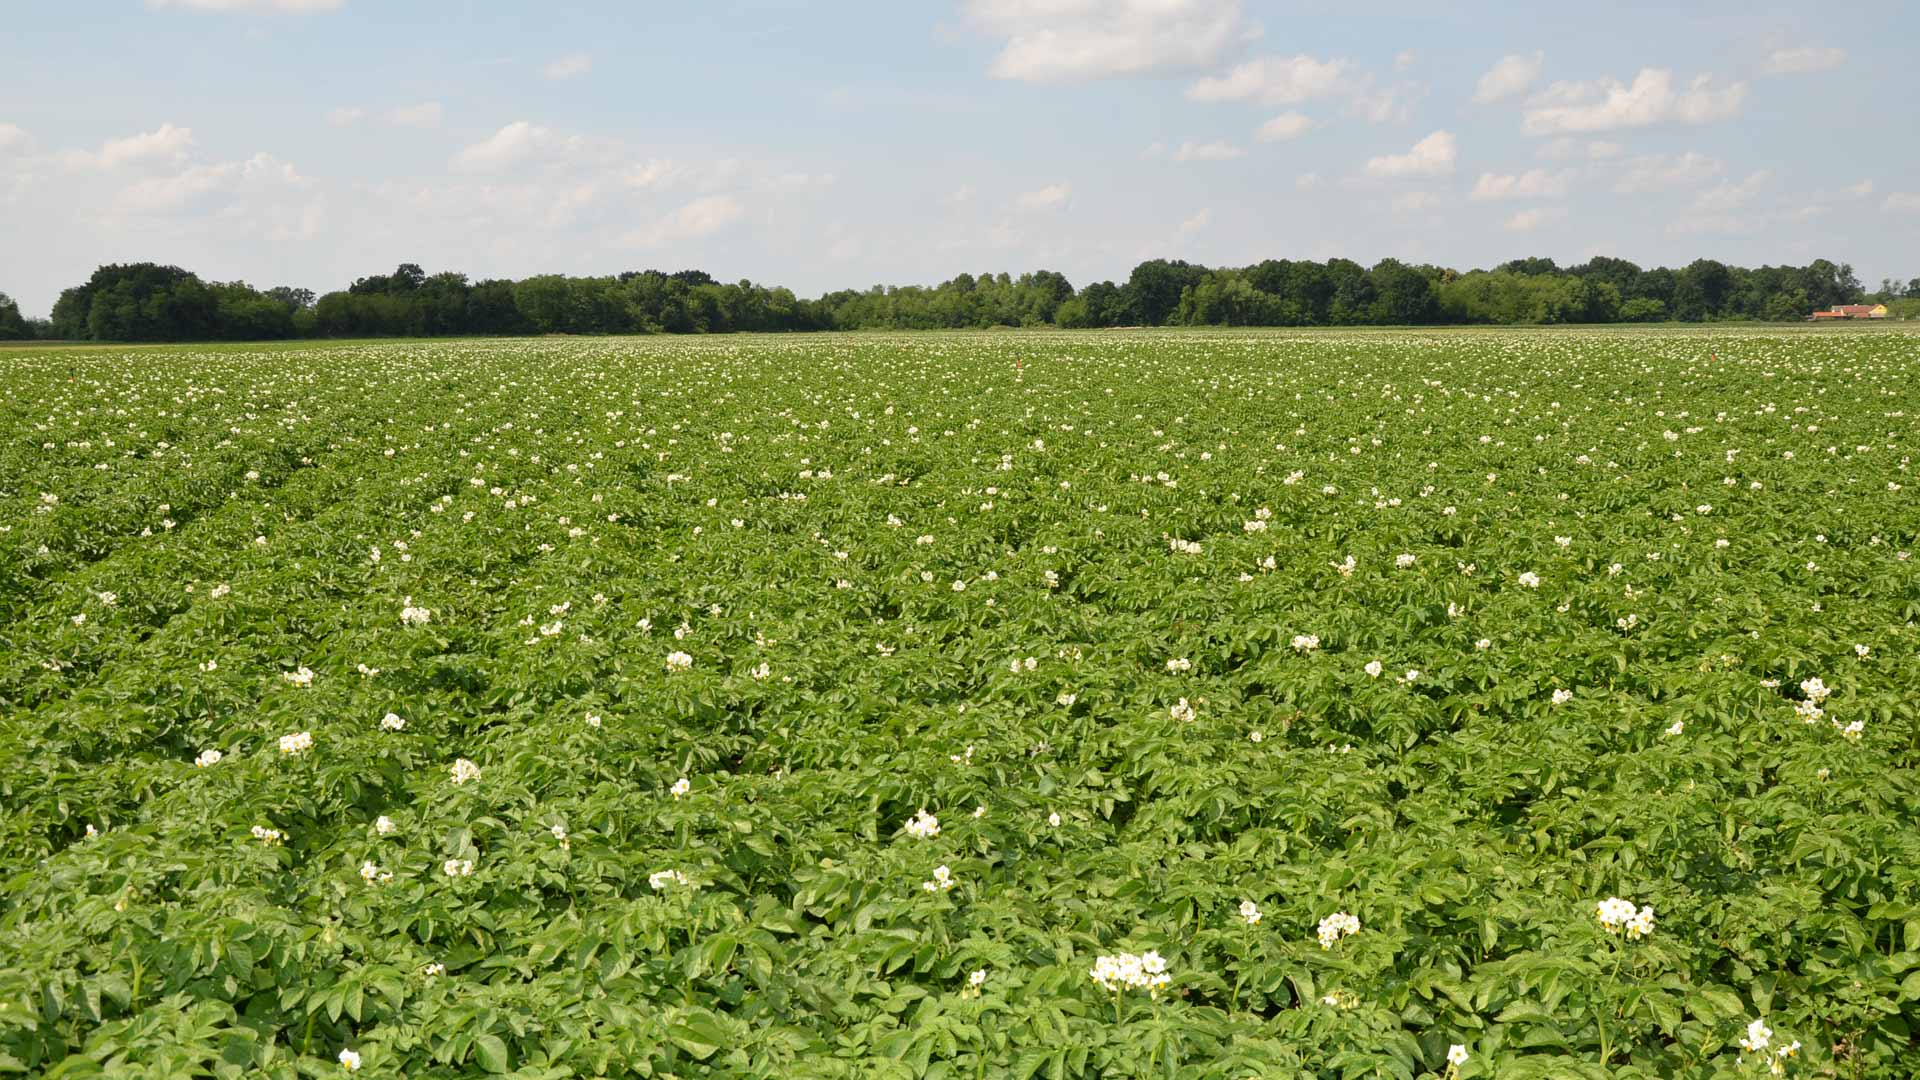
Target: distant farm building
1851, 311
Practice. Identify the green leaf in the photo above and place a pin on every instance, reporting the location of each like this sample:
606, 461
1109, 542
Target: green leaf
491, 1053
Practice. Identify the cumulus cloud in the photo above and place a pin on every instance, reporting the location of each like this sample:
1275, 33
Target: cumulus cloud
1074, 40
1208, 151
164, 143
649, 174
1723, 208
1051, 197
1288, 125
1724, 198
1292, 80
706, 215
287, 7
702, 217
1275, 80
568, 66
1663, 172
1384, 104
1306, 181
1532, 184
512, 144
181, 190
1529, 220
1608, 104
14, 137
1195, 223
1862, 189
1902, 202
345, 116
1431, 156
1803, 61
1510, 77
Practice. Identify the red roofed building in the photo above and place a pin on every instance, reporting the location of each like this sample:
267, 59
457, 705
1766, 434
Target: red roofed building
1851, 311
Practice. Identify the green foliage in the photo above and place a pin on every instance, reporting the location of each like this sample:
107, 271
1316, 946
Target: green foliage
144, 302
1123, 741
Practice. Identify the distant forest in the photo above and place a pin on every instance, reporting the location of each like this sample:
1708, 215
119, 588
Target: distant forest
148, 302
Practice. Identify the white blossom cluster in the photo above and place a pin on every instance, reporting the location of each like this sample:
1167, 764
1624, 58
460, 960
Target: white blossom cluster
1336, 926
1617, 915
1115, 974
923, 826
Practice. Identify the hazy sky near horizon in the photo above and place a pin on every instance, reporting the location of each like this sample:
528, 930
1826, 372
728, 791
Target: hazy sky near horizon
822, 146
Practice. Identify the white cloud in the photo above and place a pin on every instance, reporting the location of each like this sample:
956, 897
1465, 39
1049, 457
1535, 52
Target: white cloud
1195, 223
1510, 77
1861, 190
1725, 198
568, 66
1288, 125
14, 137
1073, 40
1405, 59
1384, 105
511, 145
1529, 220
1208, 151
1051, 197
1903, 202
1292, 80
1306, 181
1532, 184
701, 217
165, 194
165, 142
1608, 104
961, 195
290, 7
424, 115
650, 174
1274, 80
1413, 202
1662, 172
1602, 150
1804, 60
1431, 156
345, 116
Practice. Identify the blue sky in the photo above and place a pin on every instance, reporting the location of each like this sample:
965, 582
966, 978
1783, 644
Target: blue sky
828, 145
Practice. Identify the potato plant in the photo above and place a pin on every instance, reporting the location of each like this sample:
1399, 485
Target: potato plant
1185, 705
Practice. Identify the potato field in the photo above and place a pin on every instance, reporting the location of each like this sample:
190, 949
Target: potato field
1181, 705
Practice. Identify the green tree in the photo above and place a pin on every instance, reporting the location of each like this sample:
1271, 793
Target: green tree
1154, 287
1787, 307
12, 326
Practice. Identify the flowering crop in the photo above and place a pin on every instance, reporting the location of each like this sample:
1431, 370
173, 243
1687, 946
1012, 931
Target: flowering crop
843, 706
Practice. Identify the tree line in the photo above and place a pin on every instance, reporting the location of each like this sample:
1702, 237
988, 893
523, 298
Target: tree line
148, 302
